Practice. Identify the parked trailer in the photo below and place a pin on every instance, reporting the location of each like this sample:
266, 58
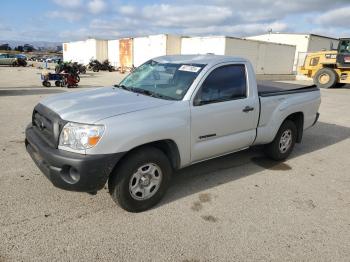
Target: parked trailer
267, 58
83, 51
126, 53
152, 46
113, 53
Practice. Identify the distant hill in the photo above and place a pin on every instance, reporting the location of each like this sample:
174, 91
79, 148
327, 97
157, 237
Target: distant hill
36, 44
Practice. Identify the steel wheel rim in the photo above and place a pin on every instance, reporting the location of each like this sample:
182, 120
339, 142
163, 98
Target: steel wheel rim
145, 182
324, 78
285, 141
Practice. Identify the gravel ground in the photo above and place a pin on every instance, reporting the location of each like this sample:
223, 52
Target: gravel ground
241, 207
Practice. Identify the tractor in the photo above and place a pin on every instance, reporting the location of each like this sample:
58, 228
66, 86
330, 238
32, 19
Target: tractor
329, 68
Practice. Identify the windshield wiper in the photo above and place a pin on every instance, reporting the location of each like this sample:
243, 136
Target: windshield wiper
150, 93
122, 87
144, 92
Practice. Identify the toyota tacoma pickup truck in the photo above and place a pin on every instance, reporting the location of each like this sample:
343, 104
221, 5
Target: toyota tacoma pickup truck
171, 112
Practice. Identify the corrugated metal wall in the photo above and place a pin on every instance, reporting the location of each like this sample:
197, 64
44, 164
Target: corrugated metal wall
101, 50
148, 47
113, 53
83, 51
267, 58
126, 52
173, 46
203, 45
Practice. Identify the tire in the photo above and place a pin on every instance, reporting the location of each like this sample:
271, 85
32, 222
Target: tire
58, 83
128, 172
14, 64
46, 84
278, 149
326, 74
95, 70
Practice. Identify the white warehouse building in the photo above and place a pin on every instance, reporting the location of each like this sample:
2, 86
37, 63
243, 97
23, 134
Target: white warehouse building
266, 58
304, 43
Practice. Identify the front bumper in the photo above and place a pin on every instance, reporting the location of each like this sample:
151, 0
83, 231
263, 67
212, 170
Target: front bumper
70, 171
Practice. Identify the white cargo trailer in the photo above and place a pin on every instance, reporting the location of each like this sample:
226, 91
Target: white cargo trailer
113, 53
83, 51
267, 58
145, 48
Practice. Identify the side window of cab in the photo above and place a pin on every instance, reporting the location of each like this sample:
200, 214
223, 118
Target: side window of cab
223, 84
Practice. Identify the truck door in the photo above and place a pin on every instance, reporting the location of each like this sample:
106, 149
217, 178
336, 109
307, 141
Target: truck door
343, 57
224, 115
3, 58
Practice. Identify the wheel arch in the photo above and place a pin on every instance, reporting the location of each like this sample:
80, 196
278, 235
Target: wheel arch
298, 120
167, 146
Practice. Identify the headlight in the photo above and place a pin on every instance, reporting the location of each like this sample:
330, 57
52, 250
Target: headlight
80, 136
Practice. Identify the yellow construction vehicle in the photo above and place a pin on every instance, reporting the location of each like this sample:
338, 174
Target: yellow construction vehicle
329, 68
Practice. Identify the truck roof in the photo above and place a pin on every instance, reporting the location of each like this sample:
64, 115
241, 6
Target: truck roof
207, 59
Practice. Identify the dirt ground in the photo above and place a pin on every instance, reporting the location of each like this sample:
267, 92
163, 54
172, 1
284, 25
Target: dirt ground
241, 207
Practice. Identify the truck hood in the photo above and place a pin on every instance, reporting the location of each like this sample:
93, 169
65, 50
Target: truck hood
91, 106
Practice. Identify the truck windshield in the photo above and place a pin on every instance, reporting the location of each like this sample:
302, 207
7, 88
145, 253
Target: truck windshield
163, 80
344, 46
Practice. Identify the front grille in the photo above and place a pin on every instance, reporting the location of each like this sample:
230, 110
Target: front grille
47, 124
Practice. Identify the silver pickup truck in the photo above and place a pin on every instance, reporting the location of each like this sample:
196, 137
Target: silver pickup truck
171, 112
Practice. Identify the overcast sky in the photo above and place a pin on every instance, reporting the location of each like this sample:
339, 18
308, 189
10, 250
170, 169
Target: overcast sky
64, 20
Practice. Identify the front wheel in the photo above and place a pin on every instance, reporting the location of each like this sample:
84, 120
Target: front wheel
283, 144
140, 180
46, 83
326, 78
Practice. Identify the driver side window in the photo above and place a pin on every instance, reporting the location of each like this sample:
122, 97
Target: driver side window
224, 83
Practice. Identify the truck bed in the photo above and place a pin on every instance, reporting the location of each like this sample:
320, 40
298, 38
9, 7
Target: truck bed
269, 88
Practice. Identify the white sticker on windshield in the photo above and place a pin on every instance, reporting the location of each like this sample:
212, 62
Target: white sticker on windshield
188, 68
179, 91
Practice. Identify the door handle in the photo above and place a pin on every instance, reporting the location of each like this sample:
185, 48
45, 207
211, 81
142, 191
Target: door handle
247, 109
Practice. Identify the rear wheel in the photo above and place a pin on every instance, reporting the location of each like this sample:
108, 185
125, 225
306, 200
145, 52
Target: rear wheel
58, 83
140, 180
283, 144
326, 78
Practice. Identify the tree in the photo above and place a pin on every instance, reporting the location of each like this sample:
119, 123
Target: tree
28, 48
5, 47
